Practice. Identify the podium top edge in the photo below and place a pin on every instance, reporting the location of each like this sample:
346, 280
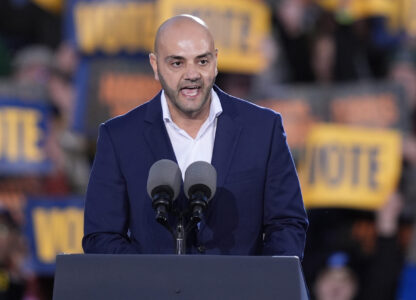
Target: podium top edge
294, 257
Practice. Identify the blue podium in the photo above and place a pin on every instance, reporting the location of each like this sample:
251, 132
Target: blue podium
185, 277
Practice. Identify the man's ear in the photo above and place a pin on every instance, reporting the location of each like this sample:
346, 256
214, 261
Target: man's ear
153, 63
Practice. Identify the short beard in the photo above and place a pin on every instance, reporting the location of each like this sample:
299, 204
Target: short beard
171, 94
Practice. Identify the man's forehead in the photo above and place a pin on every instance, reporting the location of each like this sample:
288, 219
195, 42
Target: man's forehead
185, 45
185, 33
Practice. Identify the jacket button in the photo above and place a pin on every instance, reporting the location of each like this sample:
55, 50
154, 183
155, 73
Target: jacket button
201, 249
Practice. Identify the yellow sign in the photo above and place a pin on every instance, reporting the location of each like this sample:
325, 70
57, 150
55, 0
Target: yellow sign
57, 230
407, 15
239, 29
20, 135
401, 14
350, 167
111, 27
358, 9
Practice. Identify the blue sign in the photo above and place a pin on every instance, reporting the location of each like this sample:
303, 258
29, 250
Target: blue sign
24, 129
54, 226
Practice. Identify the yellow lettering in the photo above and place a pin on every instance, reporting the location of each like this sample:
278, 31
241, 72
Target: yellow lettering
11, 117
84, 30
112, 27
75, 221
57, 231
111, 39
32, 136
353, 166
139, 26
20, 134
99, 26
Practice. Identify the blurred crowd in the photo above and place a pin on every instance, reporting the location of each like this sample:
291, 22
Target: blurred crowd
350, 254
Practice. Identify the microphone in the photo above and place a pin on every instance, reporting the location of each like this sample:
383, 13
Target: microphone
200, 185
163, 186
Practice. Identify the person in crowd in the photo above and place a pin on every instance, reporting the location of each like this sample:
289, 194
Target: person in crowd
13, 253
338, 280
349, 274
407, 280
69, 147
403, 72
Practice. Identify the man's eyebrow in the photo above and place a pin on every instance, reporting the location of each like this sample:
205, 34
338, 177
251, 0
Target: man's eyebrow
207, 54
174, 57
178, 57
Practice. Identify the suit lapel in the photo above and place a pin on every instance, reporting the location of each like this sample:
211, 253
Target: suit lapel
226, 138
155, 132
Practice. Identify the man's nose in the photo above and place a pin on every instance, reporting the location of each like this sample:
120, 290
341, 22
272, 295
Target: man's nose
192, 73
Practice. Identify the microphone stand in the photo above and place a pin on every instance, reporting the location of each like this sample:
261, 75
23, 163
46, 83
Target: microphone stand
199, 203
182, 231
180, 237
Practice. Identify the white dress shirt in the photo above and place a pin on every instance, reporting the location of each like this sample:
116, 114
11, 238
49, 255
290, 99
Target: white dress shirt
188, 150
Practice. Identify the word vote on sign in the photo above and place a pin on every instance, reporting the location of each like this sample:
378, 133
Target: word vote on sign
23, 131
350, 166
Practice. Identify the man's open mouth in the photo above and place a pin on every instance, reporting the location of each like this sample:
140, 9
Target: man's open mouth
190, 91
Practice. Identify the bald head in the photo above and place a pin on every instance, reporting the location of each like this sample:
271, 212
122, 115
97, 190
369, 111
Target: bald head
182, 24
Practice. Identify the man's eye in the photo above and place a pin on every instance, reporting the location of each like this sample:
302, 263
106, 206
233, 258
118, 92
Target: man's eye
203, 61
176, 64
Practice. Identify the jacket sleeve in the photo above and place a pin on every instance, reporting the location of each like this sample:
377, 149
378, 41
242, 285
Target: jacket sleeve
106, 205
285, 220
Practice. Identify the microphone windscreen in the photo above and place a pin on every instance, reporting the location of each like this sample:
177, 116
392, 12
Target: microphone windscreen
200, 173
164, 173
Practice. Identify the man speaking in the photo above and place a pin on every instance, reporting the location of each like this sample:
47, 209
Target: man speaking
257, 208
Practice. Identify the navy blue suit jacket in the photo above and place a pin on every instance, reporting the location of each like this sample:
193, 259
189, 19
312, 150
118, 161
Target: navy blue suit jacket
257, 209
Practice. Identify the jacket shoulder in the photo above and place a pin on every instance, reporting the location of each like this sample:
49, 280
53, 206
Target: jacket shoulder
246, 109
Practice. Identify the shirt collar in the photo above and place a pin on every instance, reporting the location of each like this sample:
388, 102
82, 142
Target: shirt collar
215, 108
